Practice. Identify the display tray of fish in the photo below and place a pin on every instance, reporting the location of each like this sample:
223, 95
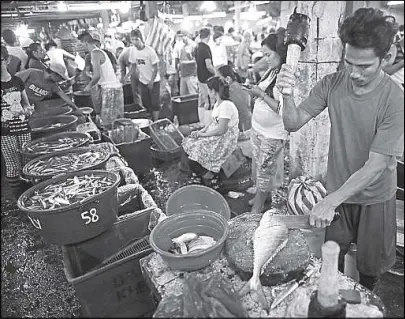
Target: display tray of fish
60, 144
190, 243
70, 191
47, 127
72, 161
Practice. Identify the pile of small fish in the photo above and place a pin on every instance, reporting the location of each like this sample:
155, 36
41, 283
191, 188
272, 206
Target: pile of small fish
68, 192
66, 163
190, 243
47, 126
59, 144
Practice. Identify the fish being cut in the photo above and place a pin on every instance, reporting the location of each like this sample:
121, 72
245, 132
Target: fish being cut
269, 238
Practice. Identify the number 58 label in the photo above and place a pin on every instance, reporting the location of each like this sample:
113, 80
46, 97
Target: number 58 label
90, 216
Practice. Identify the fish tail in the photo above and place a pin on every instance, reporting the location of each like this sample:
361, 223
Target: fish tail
254, 284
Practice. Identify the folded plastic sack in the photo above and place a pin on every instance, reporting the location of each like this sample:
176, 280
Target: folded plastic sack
213, 297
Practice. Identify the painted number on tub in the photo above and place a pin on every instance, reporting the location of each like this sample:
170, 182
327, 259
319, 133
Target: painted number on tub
90, 216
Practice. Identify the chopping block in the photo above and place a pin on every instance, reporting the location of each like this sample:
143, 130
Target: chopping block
292, 260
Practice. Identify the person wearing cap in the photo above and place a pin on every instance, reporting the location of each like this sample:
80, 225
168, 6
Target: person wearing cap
145, 64
187, 66
15, 130
42, 85
12, 47
109, 98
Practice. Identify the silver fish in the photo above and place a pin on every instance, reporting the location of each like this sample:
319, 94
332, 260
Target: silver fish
269, 238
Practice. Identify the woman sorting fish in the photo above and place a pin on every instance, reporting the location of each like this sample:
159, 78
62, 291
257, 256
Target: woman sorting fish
15, 130
268, 134
211, 146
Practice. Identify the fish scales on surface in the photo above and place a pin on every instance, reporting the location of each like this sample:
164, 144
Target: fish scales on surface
269, 238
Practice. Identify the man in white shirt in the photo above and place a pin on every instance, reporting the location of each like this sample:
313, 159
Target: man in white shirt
145, 66
219, 53
12, 47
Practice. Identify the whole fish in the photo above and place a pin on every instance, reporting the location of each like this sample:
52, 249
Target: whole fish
269, 238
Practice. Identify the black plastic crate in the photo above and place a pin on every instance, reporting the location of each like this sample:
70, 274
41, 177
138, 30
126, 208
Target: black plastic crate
105, 270
185, 107
135, 111
137, 154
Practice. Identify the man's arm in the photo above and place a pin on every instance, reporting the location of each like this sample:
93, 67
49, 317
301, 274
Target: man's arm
96, 62
322, 213
293, 117
210, 67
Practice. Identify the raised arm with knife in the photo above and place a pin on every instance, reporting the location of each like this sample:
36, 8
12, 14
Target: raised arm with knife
367, 130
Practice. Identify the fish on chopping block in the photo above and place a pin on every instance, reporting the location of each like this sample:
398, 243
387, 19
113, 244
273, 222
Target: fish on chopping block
269, 238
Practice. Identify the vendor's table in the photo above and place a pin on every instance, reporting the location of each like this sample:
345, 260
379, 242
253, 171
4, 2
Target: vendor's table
163, 281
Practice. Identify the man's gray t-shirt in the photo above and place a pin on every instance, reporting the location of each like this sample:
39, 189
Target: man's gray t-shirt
360, 124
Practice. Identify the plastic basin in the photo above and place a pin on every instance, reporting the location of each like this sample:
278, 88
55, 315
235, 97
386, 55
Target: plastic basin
197, 197
201, 222
86, 166
52, 111
40, 126
77, 222
78, 139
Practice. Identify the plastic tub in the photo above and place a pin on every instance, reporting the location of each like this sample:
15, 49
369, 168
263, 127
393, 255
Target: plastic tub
52, 143
134, 111
87, 166
39, 129
186, 108
75, 223
192, 198
83, 99
115, 289
52, 111
166, 135
201, 222
165, 156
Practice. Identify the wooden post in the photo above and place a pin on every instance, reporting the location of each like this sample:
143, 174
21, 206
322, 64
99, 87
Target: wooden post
309, 146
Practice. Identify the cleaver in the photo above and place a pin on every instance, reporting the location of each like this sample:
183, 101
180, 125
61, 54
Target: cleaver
298, 221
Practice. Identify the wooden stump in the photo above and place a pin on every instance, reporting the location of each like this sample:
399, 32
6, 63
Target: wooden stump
286, 265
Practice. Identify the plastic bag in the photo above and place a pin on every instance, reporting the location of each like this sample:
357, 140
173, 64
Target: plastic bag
213, 297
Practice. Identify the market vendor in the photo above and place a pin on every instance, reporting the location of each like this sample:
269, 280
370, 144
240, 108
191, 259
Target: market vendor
108, 98
15, 130
42, 85
211, 146
367, 133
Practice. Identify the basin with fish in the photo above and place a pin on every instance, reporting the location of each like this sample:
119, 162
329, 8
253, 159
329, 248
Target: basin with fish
197, 197
41, 127
73, 160
73, 207
55, 143
201, 222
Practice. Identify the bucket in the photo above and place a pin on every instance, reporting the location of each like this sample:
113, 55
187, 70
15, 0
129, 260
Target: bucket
79, 221
83, 99
351, 264
192, 198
